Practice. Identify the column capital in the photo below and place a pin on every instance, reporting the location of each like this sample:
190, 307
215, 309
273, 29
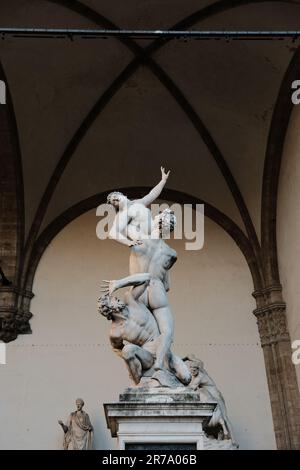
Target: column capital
272, 324
14, 312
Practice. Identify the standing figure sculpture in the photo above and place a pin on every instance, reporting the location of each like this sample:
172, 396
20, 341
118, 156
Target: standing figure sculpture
78, 432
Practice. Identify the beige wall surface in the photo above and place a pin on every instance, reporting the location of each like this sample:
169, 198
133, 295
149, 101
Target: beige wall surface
68, 355
288, 226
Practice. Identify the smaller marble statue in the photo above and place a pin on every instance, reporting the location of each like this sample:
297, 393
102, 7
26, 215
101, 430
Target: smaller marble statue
78, 433
208, 391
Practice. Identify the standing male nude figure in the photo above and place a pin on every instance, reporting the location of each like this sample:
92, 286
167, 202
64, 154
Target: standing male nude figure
155, 258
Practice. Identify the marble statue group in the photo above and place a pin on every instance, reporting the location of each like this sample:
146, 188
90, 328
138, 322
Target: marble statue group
142, 323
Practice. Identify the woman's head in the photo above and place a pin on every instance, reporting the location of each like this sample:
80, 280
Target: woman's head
116, 199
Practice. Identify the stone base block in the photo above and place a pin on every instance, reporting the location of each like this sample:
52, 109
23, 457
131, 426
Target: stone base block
159, 418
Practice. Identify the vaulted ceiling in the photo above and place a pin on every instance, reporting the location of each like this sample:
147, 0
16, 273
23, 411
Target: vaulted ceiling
98, 114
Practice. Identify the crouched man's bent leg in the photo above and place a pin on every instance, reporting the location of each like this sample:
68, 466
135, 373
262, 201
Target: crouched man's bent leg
137, 359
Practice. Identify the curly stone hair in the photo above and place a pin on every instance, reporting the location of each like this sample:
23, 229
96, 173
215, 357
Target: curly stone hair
166, 222
106, 306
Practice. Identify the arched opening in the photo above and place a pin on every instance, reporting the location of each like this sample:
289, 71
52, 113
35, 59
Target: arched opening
69, 345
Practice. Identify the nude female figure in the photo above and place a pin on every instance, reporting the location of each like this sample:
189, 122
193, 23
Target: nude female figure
133, 220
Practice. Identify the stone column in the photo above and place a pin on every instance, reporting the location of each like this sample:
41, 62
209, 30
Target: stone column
281, 373
14, 303
8, 201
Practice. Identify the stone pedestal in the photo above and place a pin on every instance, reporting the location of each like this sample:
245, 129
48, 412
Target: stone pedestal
159, 418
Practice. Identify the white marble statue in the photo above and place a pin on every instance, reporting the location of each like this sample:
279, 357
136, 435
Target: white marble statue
142, 326
208, 391
149, 255
135, 336
134, 220
78, 432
